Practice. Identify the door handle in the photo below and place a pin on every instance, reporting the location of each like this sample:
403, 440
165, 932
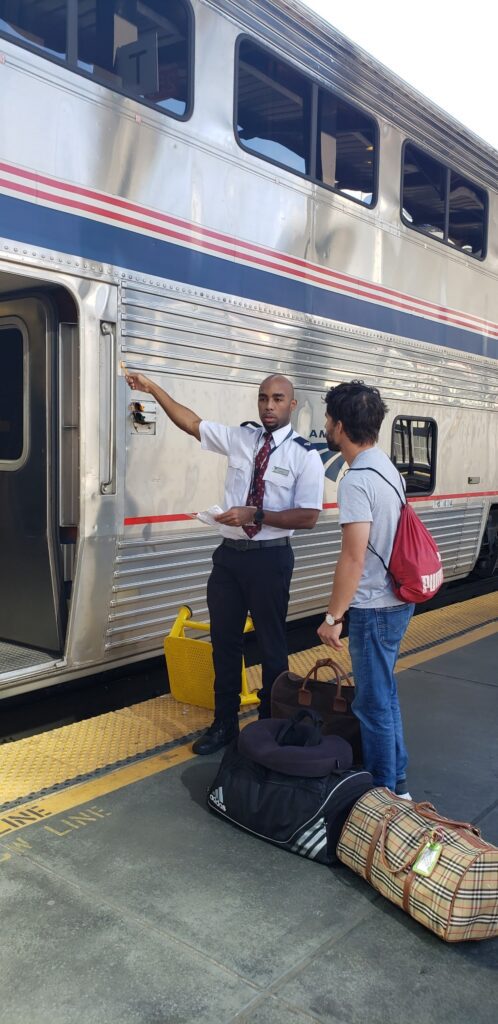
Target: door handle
108, 339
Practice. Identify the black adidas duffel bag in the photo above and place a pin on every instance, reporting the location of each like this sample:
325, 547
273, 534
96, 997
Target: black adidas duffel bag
300, 810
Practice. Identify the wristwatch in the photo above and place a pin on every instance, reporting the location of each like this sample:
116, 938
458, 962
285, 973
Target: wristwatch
258, 517
332, 621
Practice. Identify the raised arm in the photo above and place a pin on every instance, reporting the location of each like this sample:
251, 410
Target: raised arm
182, 417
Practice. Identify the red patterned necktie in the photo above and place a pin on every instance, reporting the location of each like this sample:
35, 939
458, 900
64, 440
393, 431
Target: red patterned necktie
257, 488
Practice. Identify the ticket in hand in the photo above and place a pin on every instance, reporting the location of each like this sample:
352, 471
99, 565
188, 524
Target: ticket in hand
207, 517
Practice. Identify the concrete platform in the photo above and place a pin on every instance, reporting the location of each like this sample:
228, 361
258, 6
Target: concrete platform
137, 906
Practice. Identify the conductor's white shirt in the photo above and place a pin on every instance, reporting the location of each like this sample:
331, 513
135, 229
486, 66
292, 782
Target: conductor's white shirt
293, 478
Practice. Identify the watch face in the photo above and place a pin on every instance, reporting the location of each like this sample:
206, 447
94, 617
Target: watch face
259, 516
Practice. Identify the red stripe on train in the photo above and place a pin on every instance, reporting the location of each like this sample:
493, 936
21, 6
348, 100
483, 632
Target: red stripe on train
313, 273
141, 520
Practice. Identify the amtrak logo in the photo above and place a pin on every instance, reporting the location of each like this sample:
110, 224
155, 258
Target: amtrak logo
333, 461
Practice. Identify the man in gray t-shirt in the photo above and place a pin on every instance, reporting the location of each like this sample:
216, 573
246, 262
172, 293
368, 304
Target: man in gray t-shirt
364, 497
368, 513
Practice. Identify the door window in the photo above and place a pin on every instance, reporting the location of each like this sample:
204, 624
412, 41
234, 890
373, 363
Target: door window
12, 399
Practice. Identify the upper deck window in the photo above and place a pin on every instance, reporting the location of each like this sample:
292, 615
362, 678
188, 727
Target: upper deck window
40, 25
273, 117
140, 49
285, 117
442, 203
346, 145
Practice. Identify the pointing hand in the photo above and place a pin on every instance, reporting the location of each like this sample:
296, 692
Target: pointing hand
137, 381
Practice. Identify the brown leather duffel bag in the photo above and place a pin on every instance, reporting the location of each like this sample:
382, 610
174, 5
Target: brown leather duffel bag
330, 698
439, 871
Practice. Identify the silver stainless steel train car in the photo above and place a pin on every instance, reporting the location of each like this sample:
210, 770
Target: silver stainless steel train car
209, 190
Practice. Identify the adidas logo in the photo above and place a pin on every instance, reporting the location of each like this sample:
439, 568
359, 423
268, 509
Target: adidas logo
216, 797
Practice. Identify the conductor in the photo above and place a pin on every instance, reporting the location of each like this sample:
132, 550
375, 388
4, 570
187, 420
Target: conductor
273, 486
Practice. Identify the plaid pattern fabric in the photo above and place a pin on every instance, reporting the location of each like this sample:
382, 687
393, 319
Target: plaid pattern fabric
380, 841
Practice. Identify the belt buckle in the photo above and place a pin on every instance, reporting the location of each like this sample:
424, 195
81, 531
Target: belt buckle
244, 544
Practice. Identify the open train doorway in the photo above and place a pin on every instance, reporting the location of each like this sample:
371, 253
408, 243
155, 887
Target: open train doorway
38, 470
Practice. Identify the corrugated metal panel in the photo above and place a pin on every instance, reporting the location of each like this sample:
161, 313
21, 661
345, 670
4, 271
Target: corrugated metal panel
236, 340
456, 532
339, 63
153, 578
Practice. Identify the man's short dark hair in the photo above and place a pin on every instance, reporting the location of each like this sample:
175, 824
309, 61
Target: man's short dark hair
359, 408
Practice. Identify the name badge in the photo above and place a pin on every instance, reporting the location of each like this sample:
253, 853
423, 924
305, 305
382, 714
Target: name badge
279, 469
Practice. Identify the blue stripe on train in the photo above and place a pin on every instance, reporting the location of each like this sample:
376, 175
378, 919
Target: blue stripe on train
63, 232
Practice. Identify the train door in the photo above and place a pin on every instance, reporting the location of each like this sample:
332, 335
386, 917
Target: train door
32, 606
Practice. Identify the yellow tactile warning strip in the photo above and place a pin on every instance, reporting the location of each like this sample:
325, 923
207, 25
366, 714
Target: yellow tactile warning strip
12, 821
73, 752
48, 759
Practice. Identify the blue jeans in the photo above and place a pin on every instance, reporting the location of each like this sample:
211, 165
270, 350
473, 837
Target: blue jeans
375, 635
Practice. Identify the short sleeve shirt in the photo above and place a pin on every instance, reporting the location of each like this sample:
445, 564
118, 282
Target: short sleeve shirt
363, 497
293, 479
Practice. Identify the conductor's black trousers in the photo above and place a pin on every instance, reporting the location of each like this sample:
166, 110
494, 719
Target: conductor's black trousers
248, 577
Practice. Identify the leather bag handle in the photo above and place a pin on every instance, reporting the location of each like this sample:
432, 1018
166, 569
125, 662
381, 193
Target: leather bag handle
424, 836
429, 812
425, 810
304, 696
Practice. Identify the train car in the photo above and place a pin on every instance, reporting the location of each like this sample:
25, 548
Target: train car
208, 191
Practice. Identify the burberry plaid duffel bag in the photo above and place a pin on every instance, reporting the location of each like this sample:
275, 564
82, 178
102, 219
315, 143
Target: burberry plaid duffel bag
439, 871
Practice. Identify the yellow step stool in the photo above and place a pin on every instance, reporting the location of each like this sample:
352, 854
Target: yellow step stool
189, 661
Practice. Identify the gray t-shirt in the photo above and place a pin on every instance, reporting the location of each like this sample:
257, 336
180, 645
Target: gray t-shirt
365, 498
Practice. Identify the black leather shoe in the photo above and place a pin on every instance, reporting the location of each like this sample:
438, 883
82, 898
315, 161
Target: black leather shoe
217, 736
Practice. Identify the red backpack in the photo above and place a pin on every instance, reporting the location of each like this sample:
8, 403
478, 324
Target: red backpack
415, 564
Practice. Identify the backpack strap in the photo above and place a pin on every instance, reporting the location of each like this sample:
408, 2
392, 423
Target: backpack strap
360, 469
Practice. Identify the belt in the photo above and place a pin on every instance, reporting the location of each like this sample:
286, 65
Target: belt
247, 545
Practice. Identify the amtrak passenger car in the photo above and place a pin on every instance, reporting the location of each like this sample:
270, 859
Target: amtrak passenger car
208, 191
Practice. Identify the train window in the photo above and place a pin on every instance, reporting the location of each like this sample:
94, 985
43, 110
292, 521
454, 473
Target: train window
345, 158
285, 117
42, 25
141, 49
413, 452
273, 108
442, 203
11, 395
467, 215
424, 192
